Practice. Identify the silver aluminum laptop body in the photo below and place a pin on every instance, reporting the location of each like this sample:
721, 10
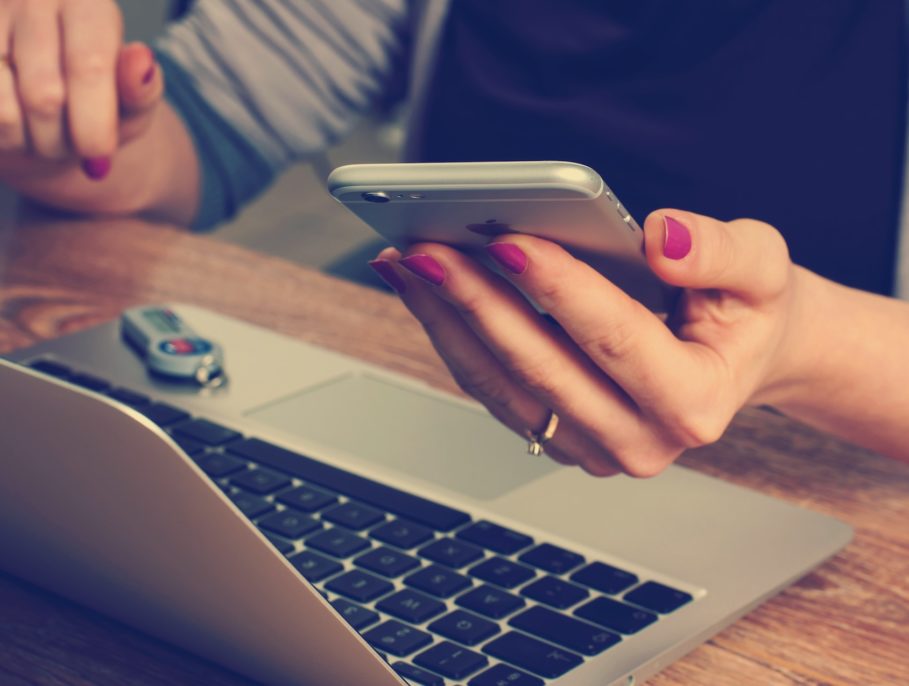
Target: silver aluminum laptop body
98, 504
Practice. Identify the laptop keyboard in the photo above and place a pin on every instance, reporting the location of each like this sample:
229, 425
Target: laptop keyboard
445, 598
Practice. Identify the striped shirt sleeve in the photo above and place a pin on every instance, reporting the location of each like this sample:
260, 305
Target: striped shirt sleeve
278, 79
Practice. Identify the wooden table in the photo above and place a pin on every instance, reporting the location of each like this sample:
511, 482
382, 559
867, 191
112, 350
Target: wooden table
847, 623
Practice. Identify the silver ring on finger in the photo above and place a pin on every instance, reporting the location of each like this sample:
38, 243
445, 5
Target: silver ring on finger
536, 439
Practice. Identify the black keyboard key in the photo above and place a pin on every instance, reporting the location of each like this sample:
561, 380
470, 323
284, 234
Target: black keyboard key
207, 432
604, 578
494, 537
89, 382
567, 632
217, 465
611, 614
338, 542
411, 606
358, 617
283, 545
315, 567
354, 515
51, 368
464, 627
451, 660
163, 414
657, 597
359, 585
451, 552
190, 446
417, 676
543, 659
439, 581
128, 397
397, 638
261, 481
401, 533
307, 499
502, 572
555, 592
490, 601
251, 505
420, 510
552, 559
504, 675
289, 524
387, 562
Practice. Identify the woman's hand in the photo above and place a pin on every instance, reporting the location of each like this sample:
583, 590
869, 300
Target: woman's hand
631, 391
70, 92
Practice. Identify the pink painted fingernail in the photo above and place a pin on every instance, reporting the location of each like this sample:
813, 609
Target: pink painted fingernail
676, 239
509, 256
96, 168
388, 274
425, 267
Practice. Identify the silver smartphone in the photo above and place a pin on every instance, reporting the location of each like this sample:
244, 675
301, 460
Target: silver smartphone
466, 204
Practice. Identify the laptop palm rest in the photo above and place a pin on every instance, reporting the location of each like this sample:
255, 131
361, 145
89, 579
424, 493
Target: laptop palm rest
416, 433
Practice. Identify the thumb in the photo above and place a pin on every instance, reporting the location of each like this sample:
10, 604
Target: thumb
745, 257
140, 83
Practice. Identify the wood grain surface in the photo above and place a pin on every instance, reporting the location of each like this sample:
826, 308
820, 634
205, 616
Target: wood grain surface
846, 623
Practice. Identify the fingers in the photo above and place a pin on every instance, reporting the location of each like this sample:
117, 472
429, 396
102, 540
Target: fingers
480, 374
539, 358
12, 126
91, 34
139, 80
619, 334
746, 258
41, 88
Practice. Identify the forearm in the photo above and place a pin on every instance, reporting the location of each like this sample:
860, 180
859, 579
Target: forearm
155, 174
851, 351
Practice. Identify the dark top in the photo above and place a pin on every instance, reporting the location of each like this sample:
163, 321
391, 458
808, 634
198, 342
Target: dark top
789, 111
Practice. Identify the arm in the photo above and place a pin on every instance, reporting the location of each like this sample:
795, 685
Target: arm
633, 392
252, 86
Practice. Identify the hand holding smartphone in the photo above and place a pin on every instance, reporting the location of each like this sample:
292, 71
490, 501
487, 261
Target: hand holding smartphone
466, 204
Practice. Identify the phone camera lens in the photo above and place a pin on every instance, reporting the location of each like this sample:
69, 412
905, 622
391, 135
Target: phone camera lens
376, 197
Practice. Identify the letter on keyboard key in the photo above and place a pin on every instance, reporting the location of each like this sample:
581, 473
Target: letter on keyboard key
502, 572
358, 617
555, 592
626, 619
307, 499
543, 659
353, 515
260, 481
438, 581
451, 660
401, 533
411, 606
494, 537
657, 597
464, 627
359, 585
565, 631
503, 675
451, 552
397, 638
604, 578
490, 601
387, 562
289, 524
552, 559
337, 542
315, 567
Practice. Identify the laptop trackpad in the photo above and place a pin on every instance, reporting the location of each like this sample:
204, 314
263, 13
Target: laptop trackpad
427, 437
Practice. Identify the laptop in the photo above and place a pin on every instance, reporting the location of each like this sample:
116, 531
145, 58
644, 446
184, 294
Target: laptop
319, 520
